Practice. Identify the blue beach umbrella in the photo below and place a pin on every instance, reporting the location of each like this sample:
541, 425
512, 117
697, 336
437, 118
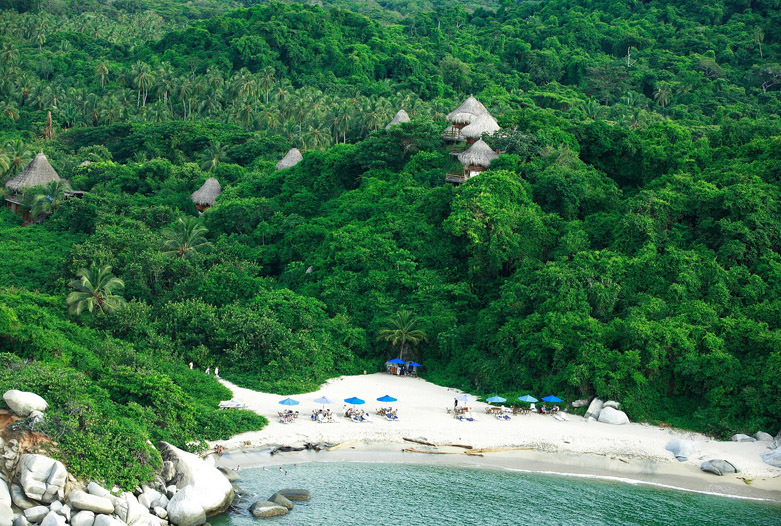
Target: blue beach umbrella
354, 401
386, 398
324, 400
495, 399
397, 361
552, 399
288, 401
527, 398
414, 364
466, 398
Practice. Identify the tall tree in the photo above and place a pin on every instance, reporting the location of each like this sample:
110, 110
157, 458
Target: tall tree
94, 291
401, 332
184, 238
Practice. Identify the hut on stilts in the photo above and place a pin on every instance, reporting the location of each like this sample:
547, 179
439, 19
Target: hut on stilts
401, 116
482, 124
38, 173
292, 158
205, 196
465, 114
475, 159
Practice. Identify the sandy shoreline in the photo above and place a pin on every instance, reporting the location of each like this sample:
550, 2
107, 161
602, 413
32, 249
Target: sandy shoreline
634, 451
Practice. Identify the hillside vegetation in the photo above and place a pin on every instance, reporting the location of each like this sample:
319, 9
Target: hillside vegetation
625, 245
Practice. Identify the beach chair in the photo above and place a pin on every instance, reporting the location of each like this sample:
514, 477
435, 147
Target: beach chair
354, 418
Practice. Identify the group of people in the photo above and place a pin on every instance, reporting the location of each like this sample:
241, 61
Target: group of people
388, 412
356, 415
400, 370
545, 410
209, 370
321, 415
287, 417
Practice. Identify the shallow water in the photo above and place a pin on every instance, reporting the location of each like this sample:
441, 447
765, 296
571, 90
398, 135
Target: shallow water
363, 493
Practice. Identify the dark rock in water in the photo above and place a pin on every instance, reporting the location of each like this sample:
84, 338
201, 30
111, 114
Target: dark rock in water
264, 509
278, 498
718, 467
231, 475
295, 494
312, 447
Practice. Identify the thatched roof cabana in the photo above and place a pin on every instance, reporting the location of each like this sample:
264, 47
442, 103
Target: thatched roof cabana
469, 110
479, 154
207, 193
483, 124
292, 158
401, 116
38, 173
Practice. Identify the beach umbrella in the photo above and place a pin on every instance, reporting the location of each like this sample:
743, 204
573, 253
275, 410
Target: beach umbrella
528, 398
288, 401
354, 401
414, 364
551, 399
386, 398
323, 400
397, 361
466, 398
495, 399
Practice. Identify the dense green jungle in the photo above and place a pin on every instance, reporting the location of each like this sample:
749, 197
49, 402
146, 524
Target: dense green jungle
626, 244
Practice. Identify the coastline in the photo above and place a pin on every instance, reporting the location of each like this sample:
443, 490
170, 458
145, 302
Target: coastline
632, 453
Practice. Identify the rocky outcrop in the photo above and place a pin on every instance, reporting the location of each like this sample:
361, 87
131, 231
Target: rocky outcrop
610, 415
23, 403
231, 475
265, 509
740, 437
19, 499
42, 478
594, 408
6, 513
761, 436
85, 501
683, 449
212, 490
718, 467
295, 494
281, 500
185, 508
772, 457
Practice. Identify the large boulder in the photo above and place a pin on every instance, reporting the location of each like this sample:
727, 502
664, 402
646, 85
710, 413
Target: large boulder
86, 501
19, 499
295, 494
761, 436
719, 467
740, 437
231, 475
23, 403
772, 457
185, 508
683, 449
6, 513
213, 491
611, 403
611, 415
281, 500
148, 496
265, 509
93, 488
83, 518
127, 508
41, 477
594, 408
36, 513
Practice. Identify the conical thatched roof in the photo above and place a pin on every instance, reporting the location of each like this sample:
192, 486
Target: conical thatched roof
479, 154
207, 193
469, 110
483, 124
401, 116
292, 158
38, 173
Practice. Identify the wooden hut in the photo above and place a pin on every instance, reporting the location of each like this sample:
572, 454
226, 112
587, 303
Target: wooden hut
205, 196
464, 115
38, 173
475, 159
484, 123
292, 158
401, 116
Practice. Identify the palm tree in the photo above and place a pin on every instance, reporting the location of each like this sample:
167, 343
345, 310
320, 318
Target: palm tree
215, 154
184, 238
267, 79
14, 156
101, 70
53, 196
402, 332
662, 95
94, 290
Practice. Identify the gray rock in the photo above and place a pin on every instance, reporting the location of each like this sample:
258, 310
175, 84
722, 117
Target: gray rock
6, 513
295, 494
718, 467
21, 520
772, 457
169, 471
740, 437
5, 494
36, 416
145, 520
611, 403
19, 499
265, 509
128, 508
93, 488
53, 519
185, 508
683, 449
23, 403
231, 475
580, 403
107, 520
761, 436
87, 501
41, 477
55, 506
161, 512
594, 408
161, 501
37, 513
611, 415
170, 491
214, 491
83, 518
281, 500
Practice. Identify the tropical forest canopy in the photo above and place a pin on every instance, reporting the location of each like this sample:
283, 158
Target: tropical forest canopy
625, 245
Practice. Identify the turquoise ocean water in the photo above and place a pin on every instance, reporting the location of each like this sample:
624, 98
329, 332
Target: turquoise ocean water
363, 493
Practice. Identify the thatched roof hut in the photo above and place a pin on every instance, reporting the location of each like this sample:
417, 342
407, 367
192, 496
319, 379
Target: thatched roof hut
469, 110
483, 124
207, 193
479, 154
38, 173
292, 158
401, 116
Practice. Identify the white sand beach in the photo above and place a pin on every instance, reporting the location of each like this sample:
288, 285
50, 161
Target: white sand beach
635, 451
